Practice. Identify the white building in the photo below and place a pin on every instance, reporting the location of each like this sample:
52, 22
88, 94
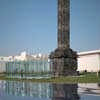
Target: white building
89, 61
23, 57
3, 61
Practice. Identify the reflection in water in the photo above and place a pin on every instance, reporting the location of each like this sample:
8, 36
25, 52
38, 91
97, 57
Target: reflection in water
98, 84
39, 90
65, 92
89, 89
48, 91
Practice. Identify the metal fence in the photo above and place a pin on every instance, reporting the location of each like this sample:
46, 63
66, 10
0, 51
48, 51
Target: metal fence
40, 68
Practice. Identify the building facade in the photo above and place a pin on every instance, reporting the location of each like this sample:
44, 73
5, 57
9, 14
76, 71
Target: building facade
89, 61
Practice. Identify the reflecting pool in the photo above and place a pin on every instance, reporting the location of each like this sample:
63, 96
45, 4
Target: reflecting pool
15, 90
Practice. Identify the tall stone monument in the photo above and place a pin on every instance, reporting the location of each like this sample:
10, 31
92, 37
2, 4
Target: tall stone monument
63, 59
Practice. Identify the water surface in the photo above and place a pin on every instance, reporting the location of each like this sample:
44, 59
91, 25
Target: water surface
15, 90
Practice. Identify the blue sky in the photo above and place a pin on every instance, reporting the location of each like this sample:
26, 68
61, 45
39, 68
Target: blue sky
32, 24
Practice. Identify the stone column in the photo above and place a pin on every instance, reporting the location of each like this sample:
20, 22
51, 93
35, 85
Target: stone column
63, 24
64, 59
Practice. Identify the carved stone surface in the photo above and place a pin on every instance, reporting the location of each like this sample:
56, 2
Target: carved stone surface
63, 59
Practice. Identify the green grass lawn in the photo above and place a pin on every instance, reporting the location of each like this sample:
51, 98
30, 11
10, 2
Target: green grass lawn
85, 78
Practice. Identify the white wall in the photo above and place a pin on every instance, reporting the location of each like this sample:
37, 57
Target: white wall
89, 62
2, 67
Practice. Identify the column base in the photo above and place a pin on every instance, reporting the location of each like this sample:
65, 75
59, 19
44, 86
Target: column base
64, 62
